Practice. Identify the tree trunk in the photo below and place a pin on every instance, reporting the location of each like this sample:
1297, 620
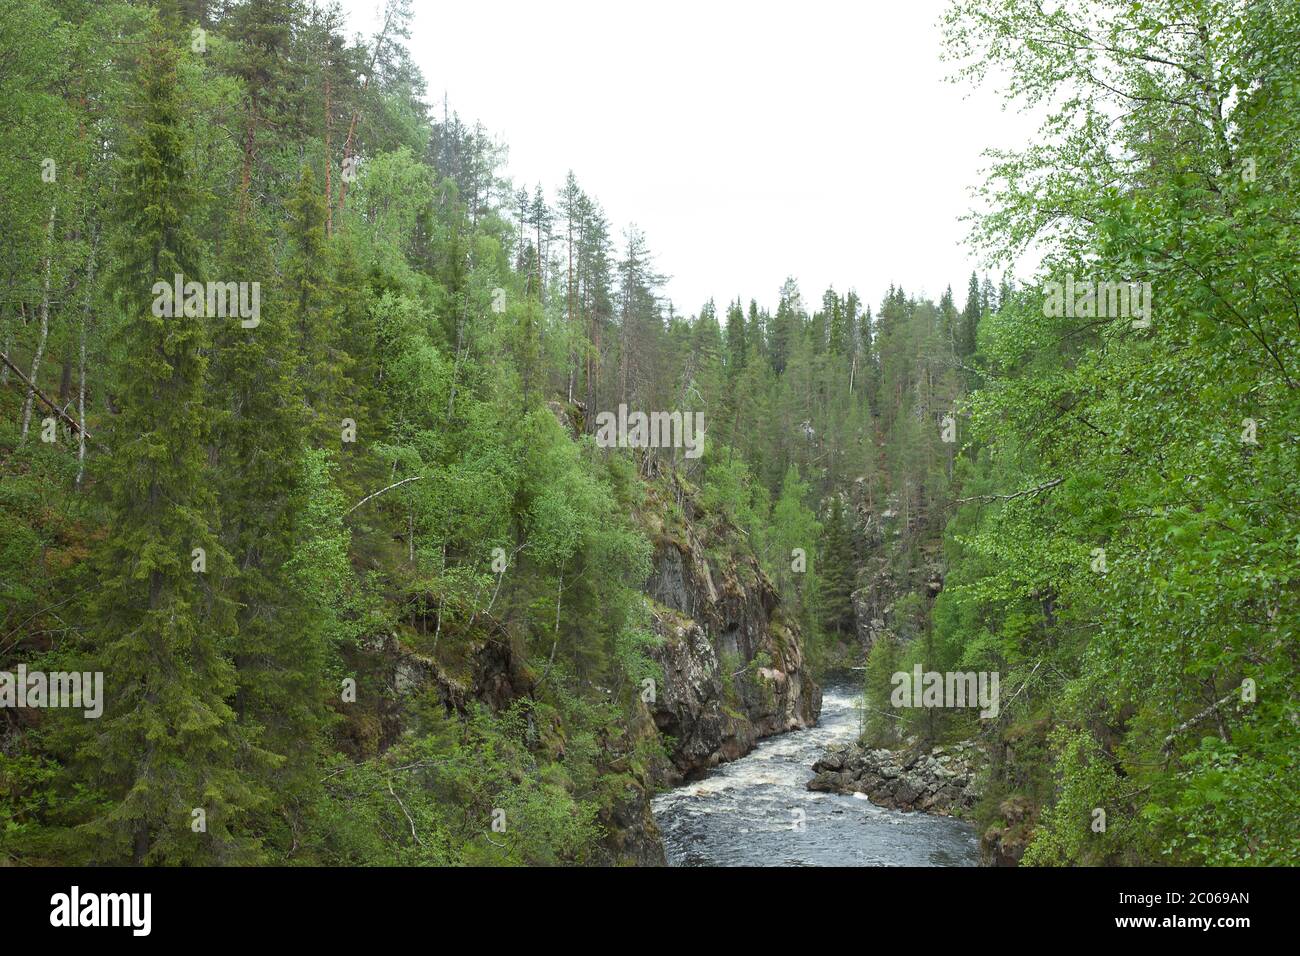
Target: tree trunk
45, 326
81, 377
329, 162
352, 126
65, 378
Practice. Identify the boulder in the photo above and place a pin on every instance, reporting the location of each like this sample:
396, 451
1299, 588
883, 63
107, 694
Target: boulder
909, 781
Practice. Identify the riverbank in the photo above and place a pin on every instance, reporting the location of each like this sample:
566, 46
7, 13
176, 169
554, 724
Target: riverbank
758, 810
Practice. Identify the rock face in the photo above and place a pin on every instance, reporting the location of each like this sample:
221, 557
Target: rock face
941, 782
733, 664
884, 535
1004, 843
493, 675
873, 604
733, 672
631, 834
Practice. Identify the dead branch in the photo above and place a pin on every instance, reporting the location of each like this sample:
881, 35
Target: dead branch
1027, 493
72, 423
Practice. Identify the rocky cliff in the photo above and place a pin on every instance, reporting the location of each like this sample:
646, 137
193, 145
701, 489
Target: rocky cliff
491, 673
897, 559
733, 663
733, 672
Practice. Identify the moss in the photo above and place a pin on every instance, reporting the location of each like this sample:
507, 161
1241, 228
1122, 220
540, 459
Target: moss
673, 623
781, 637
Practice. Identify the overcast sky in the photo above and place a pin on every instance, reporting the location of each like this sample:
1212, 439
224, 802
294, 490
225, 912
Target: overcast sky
748, 140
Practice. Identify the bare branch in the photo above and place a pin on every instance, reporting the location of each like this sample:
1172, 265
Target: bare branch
408, 816
1027, 493
1188, 724
380, 492
72, 423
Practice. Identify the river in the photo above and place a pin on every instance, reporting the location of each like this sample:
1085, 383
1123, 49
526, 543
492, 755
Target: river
747, 813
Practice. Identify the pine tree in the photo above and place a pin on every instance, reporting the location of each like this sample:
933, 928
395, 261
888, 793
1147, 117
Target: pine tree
269, 73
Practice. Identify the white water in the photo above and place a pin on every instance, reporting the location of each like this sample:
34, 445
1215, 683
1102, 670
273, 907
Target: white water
744, 812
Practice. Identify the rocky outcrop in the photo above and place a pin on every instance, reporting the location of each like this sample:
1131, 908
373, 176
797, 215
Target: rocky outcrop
389, 674
873, 604
492, 675
1021, 785
941, 781
1004, 843
631, 834
898, 560
733, 665
733, 672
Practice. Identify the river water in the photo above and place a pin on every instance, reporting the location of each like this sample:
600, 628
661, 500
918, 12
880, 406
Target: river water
746, 813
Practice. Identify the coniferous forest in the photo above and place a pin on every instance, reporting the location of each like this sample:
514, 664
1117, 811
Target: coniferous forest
361, 506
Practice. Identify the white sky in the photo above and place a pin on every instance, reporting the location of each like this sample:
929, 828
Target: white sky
748, 140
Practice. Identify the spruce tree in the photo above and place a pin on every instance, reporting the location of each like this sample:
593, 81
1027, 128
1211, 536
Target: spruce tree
737, 351
755, 331
970, 318
260, 450
310, 297
165, 750
785, 325
836, 573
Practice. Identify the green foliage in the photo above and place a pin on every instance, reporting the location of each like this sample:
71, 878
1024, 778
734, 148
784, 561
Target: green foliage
167, 741
1130, 559
880, 725
837, 580
476, 564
